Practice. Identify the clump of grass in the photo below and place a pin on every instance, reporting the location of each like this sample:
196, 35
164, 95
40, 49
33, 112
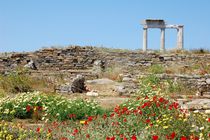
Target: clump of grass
15, 82
156, 69
112, 73
200, 51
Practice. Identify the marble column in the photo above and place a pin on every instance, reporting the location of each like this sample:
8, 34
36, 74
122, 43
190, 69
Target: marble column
180, 38
162, 40
144, 39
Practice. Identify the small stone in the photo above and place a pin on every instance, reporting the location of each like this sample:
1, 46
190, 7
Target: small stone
208, 81
78, 84
207, 111
92, 93
31, 65
127, 79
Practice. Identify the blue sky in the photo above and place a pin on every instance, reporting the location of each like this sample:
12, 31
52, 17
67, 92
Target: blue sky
28, 25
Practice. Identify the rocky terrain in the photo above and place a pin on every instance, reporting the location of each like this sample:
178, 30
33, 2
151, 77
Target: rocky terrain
117, 70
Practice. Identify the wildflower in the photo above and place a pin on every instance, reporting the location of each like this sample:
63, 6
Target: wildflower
121, 135
85, 123
38, 129
147, 120
112, 138
49, 130
64, 138
112, 115
165, 127
201, 128
82, 122
104, 116
39, 108
133, 137
28, 108
183, 138
90, 118
196, 111
173, 135
88, 136
208, 119
125, 120
72, 116
76, 130
155, 137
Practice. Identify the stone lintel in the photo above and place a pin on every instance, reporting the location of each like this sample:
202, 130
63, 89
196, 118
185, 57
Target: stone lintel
174, 26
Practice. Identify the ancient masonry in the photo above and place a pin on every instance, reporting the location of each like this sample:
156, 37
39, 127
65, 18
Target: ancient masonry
76, 60
159, 23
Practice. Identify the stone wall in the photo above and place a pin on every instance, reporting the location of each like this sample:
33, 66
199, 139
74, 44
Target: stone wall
76, 57
66, 60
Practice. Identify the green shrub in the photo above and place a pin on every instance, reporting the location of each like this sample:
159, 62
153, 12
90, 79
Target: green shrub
200, 51
15, 82
41, 106
156, 69
173, 87
149, 85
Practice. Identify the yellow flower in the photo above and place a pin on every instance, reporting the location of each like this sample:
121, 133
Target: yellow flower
201, 128
201, 135
82, 122
165, 127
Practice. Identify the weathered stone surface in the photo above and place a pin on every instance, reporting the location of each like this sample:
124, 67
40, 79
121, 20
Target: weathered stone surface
64, 89
31, 65
78, 84
121, 90
92, 93
198, 104
77, 58
208, 81
100, 81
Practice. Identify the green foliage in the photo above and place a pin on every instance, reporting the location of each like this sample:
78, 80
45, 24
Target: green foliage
149, 85
200, 51
156, 69
15, 82
174, 87
41, 106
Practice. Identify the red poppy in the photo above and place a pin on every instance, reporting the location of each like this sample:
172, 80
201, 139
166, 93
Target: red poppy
86, 123
28, 108
121, 135
39, 108
140, 112
155, 137
173, 135
64, 138
72, 116
104, 116
125, 120
49, 130
90, 118
148, 121
183, 138
112, 115
208, 119
161, 99
88, 136
112, 138
38, 129
76, 130
134, 137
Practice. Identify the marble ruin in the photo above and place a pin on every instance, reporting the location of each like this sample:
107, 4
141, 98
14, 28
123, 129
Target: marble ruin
159, 23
